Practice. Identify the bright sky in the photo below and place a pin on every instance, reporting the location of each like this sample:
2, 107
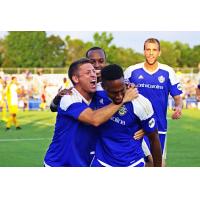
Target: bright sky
133, 39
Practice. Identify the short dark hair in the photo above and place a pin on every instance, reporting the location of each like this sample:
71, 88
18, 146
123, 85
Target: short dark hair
74, 67
93, 49
111, 72
13, 77
152, 40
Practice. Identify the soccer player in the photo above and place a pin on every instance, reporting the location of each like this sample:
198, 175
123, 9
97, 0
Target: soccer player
74, 136
2, 100
156, 81
12, 100
116, 146
97, 57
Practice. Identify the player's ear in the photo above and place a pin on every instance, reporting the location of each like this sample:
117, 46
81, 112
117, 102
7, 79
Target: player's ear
160, 53
75, 79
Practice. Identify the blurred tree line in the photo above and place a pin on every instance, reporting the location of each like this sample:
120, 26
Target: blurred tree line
35, 49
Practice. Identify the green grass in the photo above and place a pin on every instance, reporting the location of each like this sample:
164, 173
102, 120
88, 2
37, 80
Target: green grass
34, 138
183, 145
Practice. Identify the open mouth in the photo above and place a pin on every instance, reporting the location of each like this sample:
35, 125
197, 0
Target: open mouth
93, 83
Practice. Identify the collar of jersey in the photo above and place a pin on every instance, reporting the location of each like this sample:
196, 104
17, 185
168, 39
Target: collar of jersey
76, 92
148, 72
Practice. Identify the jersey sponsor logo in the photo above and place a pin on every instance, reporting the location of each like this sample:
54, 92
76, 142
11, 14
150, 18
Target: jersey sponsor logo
140, 77
151, 123
179, 87
158, 87
118, 120
161, 79
122, 111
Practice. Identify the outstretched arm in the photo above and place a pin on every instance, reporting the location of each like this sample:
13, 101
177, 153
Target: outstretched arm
97, 117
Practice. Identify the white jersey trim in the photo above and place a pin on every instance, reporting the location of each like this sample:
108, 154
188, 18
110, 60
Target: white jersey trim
46, 165
172, 75
129, 70
99, 87
142, 107
132, 165
75, 97
162, 132
145, 148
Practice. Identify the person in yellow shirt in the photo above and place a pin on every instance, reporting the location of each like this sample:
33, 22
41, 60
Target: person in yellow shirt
2, 100
12, 100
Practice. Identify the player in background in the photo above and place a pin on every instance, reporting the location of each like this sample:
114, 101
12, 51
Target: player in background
198, 96
75, 135
12, 100
3, 100
116, 146
156, 81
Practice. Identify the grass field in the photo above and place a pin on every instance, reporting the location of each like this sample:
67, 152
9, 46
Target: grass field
27, 147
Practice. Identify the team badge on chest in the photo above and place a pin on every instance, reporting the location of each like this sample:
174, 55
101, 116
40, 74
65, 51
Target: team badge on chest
161, 79
122, 111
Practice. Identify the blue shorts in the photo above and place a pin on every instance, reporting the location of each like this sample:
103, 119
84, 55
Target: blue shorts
163, 141
97, 163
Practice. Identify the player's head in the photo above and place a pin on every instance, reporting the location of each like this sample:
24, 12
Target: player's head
82, 75
98, 59
64, 79
151, 50
113, 82
14, 79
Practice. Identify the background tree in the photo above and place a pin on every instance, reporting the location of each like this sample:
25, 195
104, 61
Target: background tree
185, 54
54, 52
169, 54
25, 49
75, 49
124, 57
195, 56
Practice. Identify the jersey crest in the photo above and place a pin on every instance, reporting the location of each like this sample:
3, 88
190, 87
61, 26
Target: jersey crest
161, 79
122, 111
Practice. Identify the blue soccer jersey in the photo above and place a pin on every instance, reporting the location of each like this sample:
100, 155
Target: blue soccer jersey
156, 87
116, 145
73, 141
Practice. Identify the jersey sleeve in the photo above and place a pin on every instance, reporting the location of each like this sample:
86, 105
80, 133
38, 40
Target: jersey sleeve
175, 86
128, 73
144, 111
71, 106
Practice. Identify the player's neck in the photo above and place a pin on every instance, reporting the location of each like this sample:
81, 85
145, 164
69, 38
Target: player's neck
85, 94
151, 68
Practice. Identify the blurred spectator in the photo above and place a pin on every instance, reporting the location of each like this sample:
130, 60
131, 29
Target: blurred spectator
3, 99
66, 83
198, 96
